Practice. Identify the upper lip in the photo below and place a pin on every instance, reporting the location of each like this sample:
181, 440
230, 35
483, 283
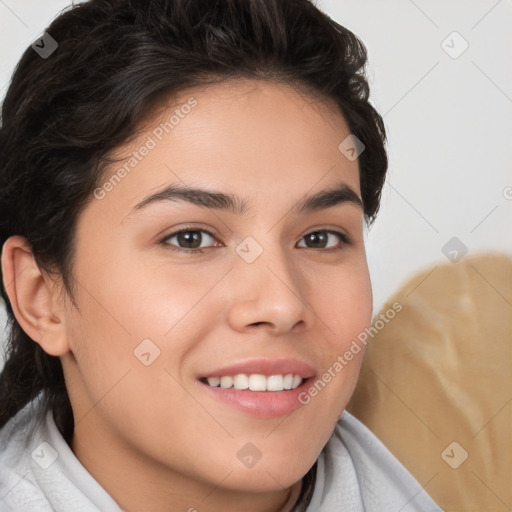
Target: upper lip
265, 367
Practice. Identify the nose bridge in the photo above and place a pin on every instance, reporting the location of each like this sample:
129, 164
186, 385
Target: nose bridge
269, 263
271, 289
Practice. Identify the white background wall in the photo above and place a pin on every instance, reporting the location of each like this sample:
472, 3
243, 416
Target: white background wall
449, 120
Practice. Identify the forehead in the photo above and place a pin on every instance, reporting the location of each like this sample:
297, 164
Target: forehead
246, 137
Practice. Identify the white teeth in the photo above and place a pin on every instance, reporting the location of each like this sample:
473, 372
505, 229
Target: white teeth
275, 383
214, 381
257, 382
226, 382
296, 381
240, 381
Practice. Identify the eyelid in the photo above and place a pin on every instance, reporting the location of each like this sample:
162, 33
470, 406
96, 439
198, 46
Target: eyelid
330, 229
184, 230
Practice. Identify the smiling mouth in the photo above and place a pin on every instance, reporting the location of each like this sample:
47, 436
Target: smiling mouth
255, 382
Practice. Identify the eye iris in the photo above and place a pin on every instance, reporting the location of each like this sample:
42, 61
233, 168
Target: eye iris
316, 238
190, 237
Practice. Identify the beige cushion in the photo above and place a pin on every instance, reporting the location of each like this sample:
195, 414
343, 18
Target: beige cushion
436, 382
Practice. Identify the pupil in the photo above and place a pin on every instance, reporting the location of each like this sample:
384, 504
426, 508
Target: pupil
189, 237
318, 237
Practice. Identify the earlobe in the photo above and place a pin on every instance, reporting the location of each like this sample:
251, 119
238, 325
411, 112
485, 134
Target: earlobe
32, 297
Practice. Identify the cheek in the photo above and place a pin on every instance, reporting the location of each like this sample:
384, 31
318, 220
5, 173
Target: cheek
346, 314
131, 300
345, 304
146, 314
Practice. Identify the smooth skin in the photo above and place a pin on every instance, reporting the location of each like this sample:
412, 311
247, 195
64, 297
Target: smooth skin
151, 435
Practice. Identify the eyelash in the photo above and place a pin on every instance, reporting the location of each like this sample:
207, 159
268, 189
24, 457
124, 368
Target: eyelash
345, 240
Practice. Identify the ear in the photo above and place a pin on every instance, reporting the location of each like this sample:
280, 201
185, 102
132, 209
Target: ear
33, 297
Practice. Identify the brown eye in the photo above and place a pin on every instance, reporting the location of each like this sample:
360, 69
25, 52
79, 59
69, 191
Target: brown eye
189, 239
321, 239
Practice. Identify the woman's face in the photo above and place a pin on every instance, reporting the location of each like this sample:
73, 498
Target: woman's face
272, 291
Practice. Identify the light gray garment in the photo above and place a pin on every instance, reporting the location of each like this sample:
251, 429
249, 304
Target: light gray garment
40, 473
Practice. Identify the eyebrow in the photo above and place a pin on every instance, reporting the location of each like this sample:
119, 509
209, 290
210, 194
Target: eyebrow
324, 199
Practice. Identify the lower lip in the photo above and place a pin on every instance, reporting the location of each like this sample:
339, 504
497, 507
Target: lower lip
262, 404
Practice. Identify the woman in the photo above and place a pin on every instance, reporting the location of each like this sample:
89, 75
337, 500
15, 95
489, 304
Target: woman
184, 191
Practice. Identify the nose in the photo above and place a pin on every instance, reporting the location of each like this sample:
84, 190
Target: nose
270, 293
